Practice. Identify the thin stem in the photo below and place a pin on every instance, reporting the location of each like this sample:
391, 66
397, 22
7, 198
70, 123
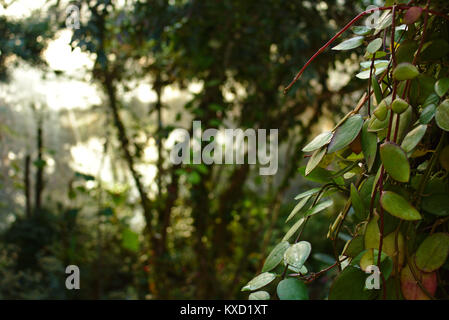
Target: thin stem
390, 123
335, 37
429, 168
314, 276
410, 263
369, 84
345, 28
393, 31
418, 52
381, 233
397, 258
396, 130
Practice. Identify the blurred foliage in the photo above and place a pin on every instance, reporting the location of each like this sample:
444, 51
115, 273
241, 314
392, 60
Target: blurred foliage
23, 40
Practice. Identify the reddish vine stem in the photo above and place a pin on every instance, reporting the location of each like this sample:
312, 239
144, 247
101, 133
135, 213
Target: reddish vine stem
382, 172
390, 126
393, 31
397, 259
379, 184
390, 123
404, 95
335, 37
314, 276
418, 52
369, 84
381, 231
345, 28
396, 130
415, 60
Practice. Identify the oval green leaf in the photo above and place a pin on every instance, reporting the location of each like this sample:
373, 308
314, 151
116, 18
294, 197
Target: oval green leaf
398, 206
260, 281
442, 86
412, 139
406, 51
442, 115
346, 133
292, 289
395, 161
384, 22
350, 44
431, 99
302, 270
427, 114
405, 71
319, 141
437, 204
365, 190
374, 45
379, 68
318, 208
372, 234
297, 254
405, 121
399, 105
259, 295
433, 252
361, 30
293, 229
369, 146
434, 50
377, 64
354, 246
381, 111
307, 193
444, 158
375, 125
377, 89
357, 203
297, 208
275, 257
315, 160
350, 285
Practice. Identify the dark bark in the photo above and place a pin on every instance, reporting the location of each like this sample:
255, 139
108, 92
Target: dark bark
206, 277
124, 141
27, 186
227, 201
39, 186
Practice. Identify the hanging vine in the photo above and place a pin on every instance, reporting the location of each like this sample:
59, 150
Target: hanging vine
390, 158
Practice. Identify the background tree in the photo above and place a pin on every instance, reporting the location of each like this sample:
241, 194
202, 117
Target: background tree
241, 54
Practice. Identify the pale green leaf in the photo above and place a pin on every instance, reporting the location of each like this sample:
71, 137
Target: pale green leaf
398, 206
319, 141
260, 281
350, 44
275, 257
297, 254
